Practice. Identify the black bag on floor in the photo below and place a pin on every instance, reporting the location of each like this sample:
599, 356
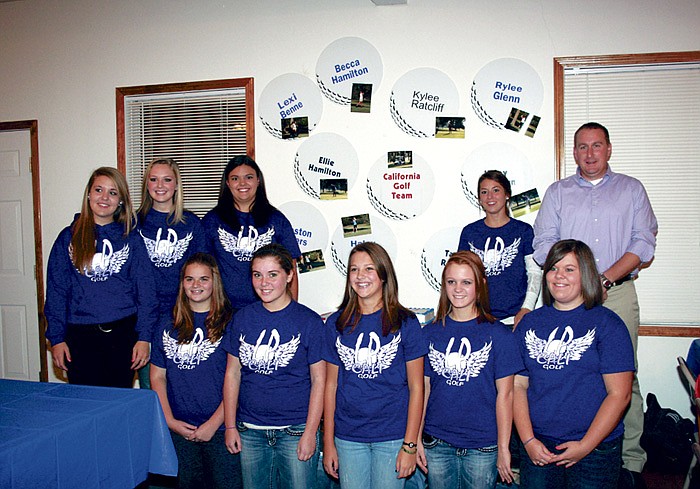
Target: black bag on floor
667, 438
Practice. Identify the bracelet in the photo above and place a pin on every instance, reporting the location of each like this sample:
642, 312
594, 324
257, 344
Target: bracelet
528, 441
409, 451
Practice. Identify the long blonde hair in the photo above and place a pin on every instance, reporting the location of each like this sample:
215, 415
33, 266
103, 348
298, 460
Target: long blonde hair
83, 240
176, 215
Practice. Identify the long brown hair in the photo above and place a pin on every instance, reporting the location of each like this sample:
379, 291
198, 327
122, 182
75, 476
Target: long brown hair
175, 216
481, 302
83, 238
220, 311
393, 313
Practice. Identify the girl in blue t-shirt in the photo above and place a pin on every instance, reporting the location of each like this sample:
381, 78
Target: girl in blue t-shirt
275, 376
170, 234
577, 382
243, 221
187, 373
472, 360
100, 296
504, 245
374, 386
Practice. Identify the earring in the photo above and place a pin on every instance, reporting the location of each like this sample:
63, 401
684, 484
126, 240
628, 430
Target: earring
120, 202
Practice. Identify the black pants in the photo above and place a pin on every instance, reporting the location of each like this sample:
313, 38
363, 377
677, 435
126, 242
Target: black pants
101, 353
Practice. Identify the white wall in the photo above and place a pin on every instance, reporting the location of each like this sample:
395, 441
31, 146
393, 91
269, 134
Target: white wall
60, 62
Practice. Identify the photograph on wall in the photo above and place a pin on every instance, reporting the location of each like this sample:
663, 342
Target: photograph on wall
347, 62
530, 131
295, 127
525, 203
356, 225
289, 96
449, 127
516, 119
361, 98
334, 188
399, 159
311, 261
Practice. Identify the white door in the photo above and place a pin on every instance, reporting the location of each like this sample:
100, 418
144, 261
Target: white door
19, 330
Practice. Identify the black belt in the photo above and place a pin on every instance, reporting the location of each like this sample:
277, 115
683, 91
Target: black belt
623, 280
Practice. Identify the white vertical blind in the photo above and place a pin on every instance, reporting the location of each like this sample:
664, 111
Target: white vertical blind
653, 115
201, 130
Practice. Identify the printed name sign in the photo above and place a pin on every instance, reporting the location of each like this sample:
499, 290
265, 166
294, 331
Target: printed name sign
289, 97
418, 97
344, 62
504, 84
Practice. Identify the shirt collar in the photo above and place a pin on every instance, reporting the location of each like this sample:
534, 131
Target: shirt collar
583, 182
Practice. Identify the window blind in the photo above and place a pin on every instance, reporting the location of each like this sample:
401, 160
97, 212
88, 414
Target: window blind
201, 130
652, 113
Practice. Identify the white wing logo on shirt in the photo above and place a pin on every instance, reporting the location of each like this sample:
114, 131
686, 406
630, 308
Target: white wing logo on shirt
166, 252
368, 361
104, 263
554, 353
243, 247
188, 355
499, 257
265, 358
460, 366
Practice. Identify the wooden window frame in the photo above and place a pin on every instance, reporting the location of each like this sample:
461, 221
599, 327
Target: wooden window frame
560, 65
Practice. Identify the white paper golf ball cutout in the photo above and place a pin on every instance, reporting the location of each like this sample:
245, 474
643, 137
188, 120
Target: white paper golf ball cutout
502, 84
325, 156
401, 193
436, 252
421, 95
289, 95
346, 61
495, 156
341, 246
310, 227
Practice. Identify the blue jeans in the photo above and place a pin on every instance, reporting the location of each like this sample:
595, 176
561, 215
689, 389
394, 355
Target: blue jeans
600, 469
450, 467
269, 459
368, 465
206, 464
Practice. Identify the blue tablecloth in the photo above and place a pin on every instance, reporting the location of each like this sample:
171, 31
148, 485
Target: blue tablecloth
69, 436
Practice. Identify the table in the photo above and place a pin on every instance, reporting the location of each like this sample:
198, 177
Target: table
70, 436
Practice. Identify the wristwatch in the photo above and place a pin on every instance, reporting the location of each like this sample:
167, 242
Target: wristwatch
409, 444
607, 283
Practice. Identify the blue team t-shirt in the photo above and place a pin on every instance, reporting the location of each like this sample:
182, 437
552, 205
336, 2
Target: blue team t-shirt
233, 249
275, 350
503, 251
168, 247
566, 354
194, 371
372, 394
118, 284
464, 361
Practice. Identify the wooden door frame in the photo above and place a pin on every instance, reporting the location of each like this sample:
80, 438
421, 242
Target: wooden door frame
33, 127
